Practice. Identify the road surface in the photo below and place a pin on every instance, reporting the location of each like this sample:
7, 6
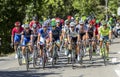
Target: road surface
10, 68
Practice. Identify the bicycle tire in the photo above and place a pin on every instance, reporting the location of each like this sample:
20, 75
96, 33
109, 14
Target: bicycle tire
19, 53
35, 58
27, 58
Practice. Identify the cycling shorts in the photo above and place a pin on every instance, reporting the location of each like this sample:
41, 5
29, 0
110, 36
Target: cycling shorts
17, 38
25, 41
104, 37
81, 35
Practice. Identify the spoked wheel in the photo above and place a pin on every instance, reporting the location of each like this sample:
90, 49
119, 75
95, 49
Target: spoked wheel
27, 59
35, 56
44, 60
73, 58
81, 56
104, 57
19, 53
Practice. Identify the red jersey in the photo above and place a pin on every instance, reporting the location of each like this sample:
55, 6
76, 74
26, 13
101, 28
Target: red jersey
34, 22
15, 30
96, 26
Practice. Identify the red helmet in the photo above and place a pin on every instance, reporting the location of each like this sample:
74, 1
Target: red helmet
17, 23
69, 17
62, 21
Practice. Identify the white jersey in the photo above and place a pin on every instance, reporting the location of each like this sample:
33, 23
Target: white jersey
73, 33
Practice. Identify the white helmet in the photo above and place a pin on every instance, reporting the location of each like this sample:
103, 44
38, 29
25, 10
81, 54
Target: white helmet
72, 24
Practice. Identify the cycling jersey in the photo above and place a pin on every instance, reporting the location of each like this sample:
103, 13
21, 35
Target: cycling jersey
104, 32
56, 34
27, 36
73, 35
34, 22
90, 31
96, 28
81, 30
43, 35
16, 34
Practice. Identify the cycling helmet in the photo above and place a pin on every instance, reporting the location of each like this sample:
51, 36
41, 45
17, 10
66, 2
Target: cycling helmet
69, 17
67, 22
104, 23
53, 24
53, 20
45, 24
26, 26
97, 21
57, 21
17, 23
72, 24
62, 21
81, 22
35, 18
34, 25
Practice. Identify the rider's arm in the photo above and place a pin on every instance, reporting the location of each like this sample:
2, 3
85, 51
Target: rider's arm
38, 39
22, 37
110, 34
12, 37
94, 32
50, 34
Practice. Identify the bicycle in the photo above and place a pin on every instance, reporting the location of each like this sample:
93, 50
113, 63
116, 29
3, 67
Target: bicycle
82, 51
27, 56
19, 55
44, 57
54, 53
90, 47
103, 51
35, 55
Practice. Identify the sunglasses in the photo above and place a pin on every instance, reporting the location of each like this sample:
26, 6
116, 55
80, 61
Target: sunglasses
72, 27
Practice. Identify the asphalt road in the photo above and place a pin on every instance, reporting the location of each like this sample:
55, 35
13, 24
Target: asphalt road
9, 66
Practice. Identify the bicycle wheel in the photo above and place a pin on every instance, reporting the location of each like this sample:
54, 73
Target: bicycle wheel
73, 57
35, 55
44, 58
53, 55
104, 53
27, 58
19, 53
90, 52
81, 56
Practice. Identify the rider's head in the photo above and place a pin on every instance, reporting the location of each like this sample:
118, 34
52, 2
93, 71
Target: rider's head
17, 24
72, 25
35, 18
77, 20
67, 22
81, 23
34, 26
53, 24
26, 27
58, 22
45, 25
104, 23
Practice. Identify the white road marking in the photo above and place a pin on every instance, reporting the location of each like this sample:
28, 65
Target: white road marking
118, 52
114, 60
118, 72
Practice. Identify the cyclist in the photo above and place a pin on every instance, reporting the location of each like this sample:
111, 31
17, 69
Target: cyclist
105, 33
90, 34
73, 37
35, 33
44, 37
65, 31
56, 35
82, 30
15, 39
26, 39
35, 21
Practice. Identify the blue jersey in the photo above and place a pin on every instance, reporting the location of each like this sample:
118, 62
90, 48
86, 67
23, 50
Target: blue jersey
44, 34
